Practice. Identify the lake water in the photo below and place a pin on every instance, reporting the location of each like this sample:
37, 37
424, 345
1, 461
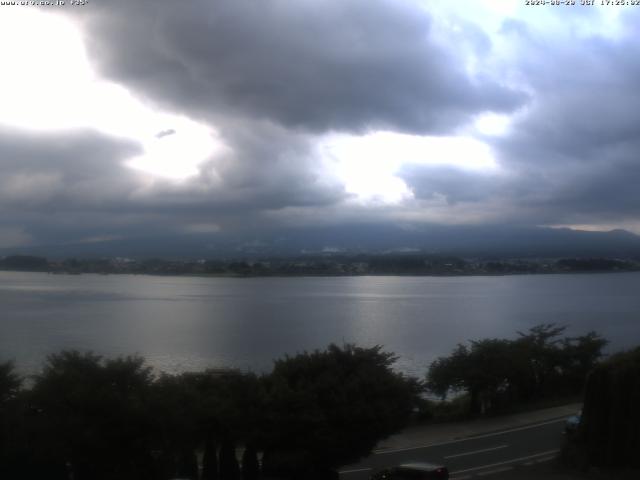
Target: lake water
187, 323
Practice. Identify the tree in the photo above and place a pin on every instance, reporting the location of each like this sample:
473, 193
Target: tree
540, 346
229, 468
484, 371
446, 374
232, 404
175, 405
496, 373
250, 465
580, 355
610, 426
24, 263
210, 459
10, 383
206, 409
329, 408
92, 414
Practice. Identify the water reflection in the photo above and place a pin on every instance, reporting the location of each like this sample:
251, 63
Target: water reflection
185, 323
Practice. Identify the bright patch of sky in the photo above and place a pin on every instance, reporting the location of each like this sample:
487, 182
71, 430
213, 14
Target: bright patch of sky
492, 124
490, 14
368, 165
47, 84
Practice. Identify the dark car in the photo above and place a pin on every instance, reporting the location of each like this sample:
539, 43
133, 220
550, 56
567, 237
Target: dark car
413, 471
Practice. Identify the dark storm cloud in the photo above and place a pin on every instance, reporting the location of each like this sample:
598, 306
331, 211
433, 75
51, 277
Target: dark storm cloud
578, 146
268, 168
165, 133
57, 186
273, 77
573, 152
61, 187
85, 171
585, 98
63, 171
347, 65
453, 184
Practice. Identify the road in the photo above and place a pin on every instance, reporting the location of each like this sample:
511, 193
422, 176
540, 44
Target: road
476, 456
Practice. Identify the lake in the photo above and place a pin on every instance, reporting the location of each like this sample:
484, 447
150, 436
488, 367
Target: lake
190, 323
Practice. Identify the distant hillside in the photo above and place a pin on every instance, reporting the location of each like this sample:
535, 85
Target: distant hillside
468, 241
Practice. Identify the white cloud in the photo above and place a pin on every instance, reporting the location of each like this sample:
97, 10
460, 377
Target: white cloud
48, 84
492, 124
368, 164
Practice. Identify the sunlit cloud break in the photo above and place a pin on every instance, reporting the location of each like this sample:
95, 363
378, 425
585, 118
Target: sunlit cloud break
368, 164
55, 88
215, 117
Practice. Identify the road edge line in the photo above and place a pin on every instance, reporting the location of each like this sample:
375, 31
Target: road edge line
465, 439
506, 462
490, 449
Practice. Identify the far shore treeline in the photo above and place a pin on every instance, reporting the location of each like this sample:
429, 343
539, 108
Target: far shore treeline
333, 264
83, 416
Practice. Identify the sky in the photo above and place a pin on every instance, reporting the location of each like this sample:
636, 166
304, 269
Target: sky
123, 119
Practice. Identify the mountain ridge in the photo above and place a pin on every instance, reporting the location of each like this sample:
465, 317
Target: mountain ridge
471, 241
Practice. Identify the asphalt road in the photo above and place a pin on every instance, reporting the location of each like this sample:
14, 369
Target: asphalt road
476, 456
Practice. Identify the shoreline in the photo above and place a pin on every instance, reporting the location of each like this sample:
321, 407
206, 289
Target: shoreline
327, 275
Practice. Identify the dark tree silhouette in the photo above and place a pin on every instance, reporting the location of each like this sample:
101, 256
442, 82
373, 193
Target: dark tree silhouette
187, 464
10, 382
174, 405
484, 370
250, 466
496, 373
92, 414
610, 425
329, 408
210, 459
229, 468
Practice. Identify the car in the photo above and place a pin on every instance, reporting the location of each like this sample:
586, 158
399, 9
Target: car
572, 423
413, 471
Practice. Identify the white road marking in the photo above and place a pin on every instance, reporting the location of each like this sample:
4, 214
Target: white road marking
495, 470
517, 429
341, 472
506, 462
476, 451
542, 460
